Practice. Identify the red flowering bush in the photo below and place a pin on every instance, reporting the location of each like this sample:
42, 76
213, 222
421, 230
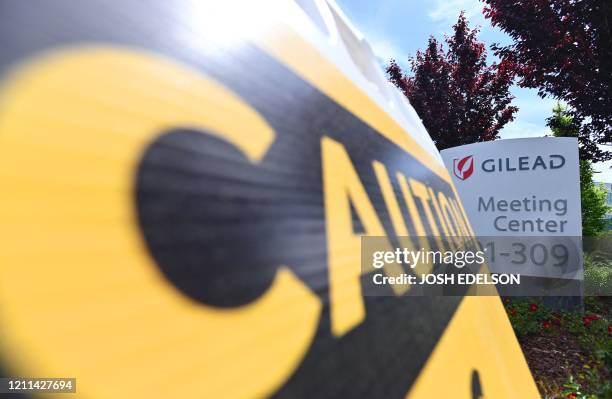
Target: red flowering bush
529, 317
533, 322
586, 320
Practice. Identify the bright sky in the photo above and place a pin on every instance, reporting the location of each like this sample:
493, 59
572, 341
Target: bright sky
397, 28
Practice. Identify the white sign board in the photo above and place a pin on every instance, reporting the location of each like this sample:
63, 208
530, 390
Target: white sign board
523, 188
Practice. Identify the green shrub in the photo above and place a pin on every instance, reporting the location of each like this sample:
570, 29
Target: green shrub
597, 275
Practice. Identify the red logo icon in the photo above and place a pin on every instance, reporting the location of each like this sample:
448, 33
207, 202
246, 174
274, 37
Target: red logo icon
464, 167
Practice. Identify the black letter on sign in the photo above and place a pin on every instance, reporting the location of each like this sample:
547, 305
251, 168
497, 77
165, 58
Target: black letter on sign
476, 388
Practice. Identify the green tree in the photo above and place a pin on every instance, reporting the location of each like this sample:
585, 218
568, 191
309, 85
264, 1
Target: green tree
592, 196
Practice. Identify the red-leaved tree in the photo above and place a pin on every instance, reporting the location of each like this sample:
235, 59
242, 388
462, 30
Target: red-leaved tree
564, 49
459, 97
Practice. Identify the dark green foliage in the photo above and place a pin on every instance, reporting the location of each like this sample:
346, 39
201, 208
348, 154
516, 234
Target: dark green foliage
592, 196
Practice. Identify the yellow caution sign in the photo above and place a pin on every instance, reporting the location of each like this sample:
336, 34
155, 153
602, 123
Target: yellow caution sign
181, 216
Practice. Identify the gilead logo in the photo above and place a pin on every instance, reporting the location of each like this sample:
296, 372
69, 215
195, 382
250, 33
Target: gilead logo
552, 161
464, 167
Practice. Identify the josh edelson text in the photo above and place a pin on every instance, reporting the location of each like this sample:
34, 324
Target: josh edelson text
458, 259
